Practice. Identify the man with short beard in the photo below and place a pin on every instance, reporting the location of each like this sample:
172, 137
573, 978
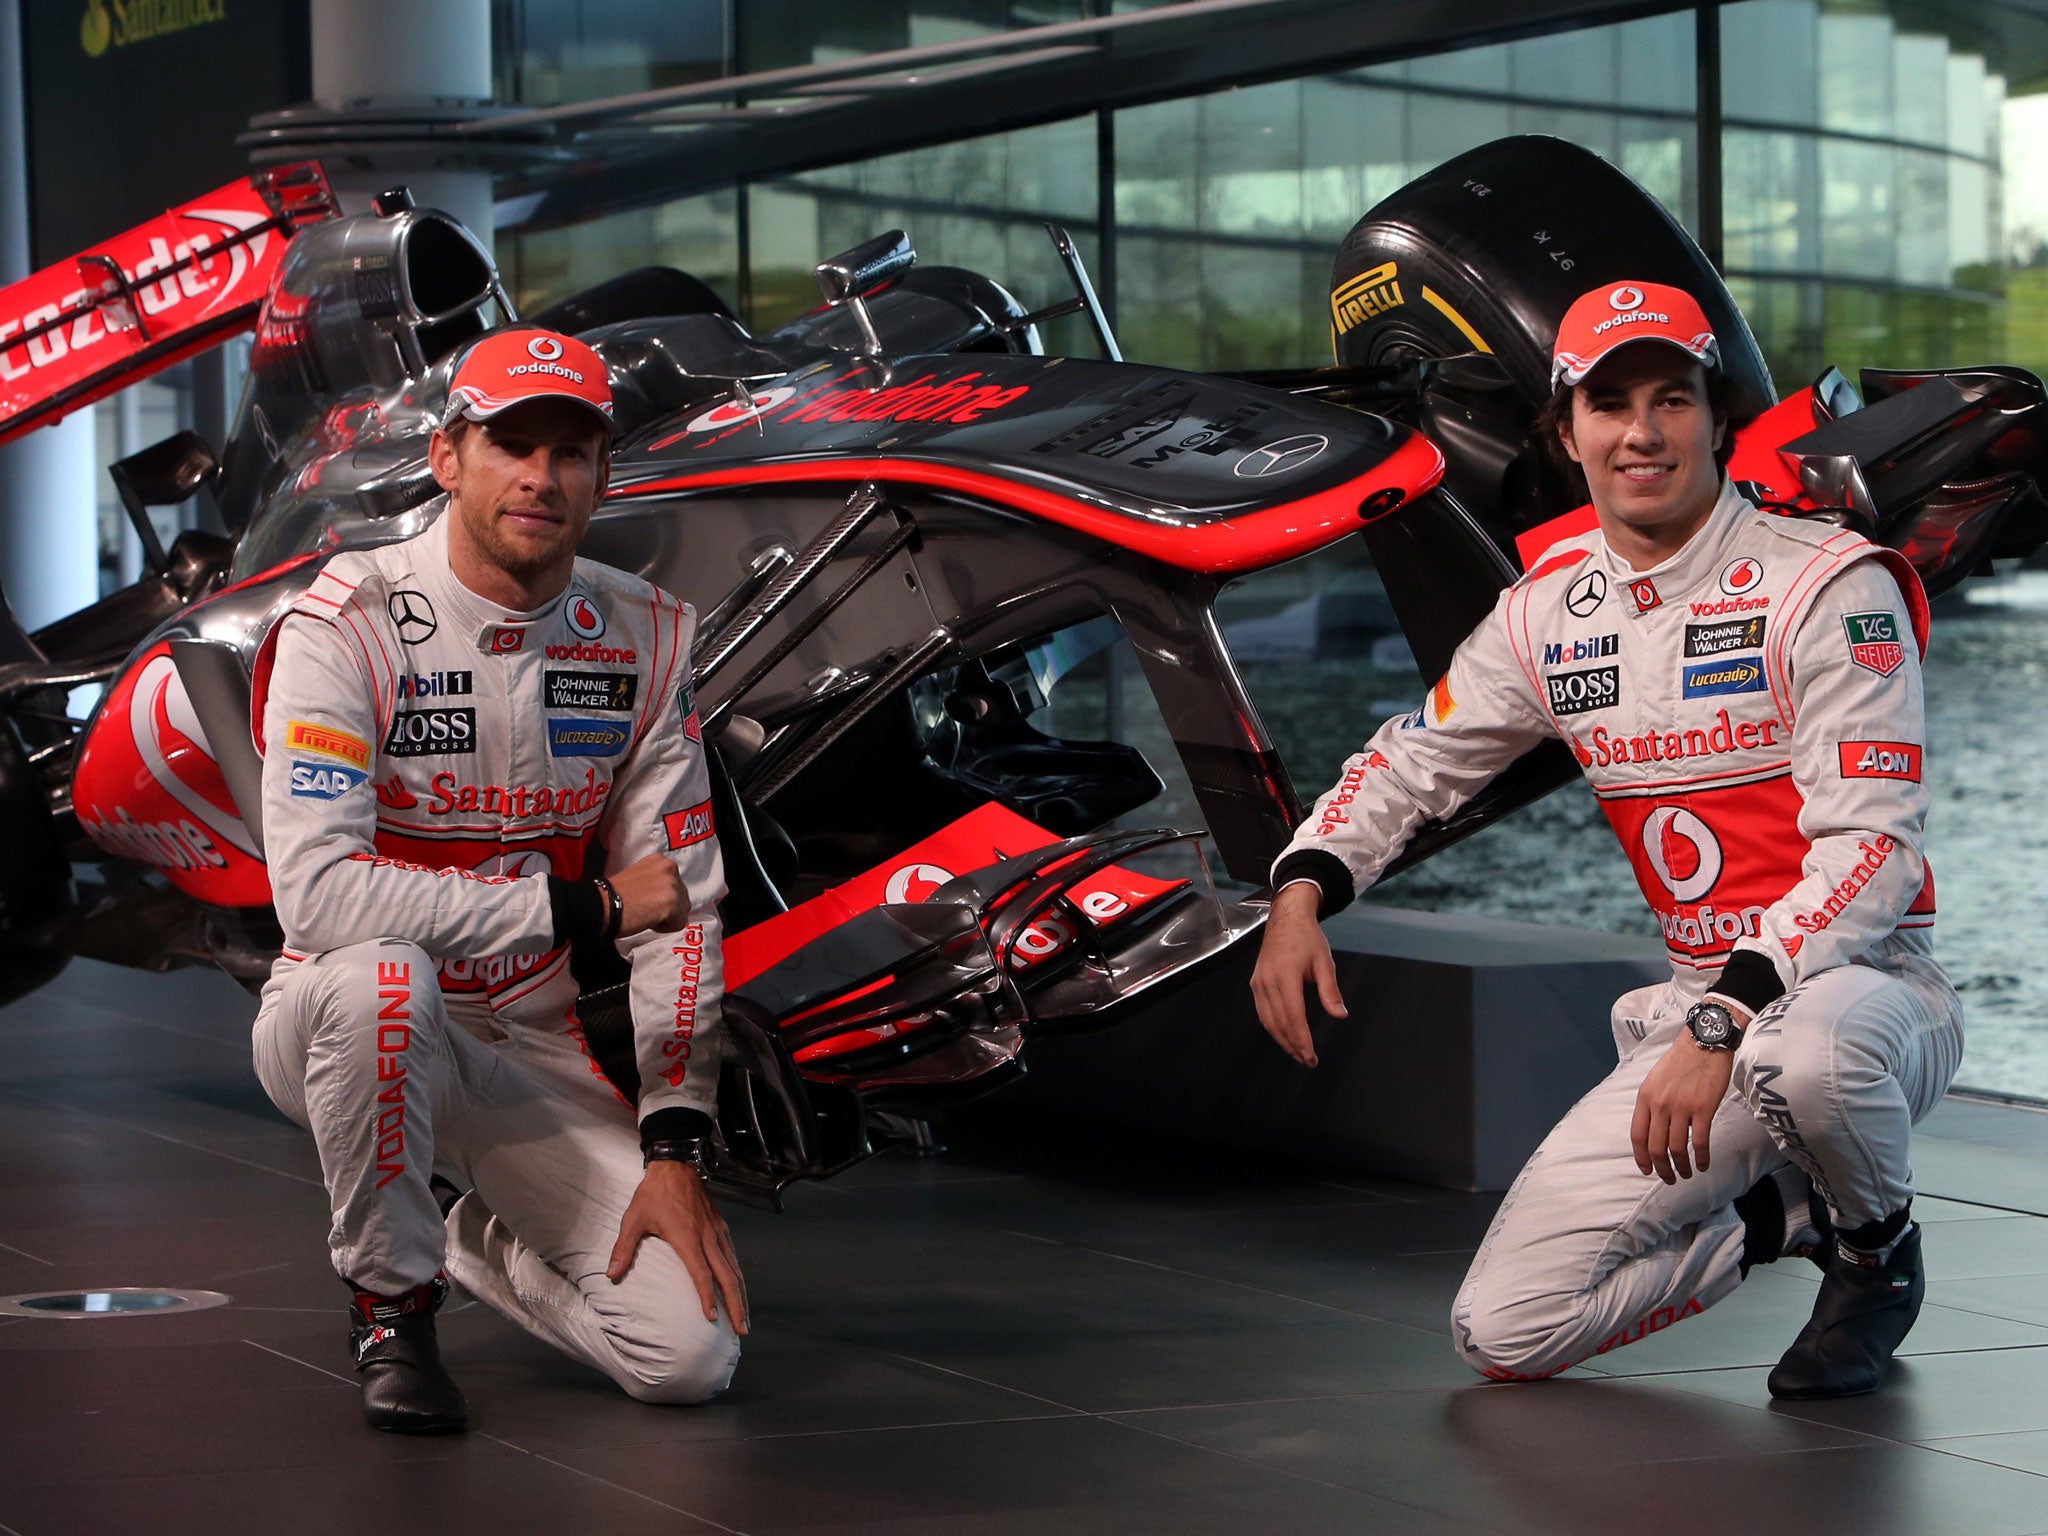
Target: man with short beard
462, 733
1743, 694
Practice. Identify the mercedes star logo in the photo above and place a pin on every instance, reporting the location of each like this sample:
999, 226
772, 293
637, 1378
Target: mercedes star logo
1278, 458
413, 615
1586, 594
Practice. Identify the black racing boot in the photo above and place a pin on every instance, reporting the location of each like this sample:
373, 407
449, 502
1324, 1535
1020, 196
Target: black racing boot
1865, 1309
406, 1389
1784, 1218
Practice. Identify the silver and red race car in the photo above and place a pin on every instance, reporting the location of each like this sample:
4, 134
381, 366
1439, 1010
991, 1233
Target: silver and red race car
899, 521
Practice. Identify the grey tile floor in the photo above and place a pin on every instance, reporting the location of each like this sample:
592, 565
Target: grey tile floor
1051, 1328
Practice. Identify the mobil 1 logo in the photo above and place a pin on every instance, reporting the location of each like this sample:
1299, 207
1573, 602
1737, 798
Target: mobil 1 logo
431, 733
1574, 693
590, 690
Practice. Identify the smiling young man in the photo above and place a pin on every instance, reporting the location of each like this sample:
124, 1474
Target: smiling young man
457, 728
1743, 694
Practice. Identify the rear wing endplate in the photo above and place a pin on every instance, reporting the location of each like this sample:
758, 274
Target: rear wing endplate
83, 328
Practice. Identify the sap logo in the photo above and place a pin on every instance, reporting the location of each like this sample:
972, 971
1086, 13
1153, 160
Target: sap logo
428, 732
324, 781
586, 738
1880, 760
692, 824
429, 685
1574, 693
1581, 650
1712, 677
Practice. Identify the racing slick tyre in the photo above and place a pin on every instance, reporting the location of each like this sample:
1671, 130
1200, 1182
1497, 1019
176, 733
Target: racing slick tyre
1484, 255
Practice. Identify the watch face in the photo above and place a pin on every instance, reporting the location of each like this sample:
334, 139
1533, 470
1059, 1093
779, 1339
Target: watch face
1711, 1024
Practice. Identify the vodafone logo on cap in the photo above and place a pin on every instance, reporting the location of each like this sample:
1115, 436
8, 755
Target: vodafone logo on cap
730, 413
1741, 576
914, 883
1683, 851
1625, 297
584, 617
546, 348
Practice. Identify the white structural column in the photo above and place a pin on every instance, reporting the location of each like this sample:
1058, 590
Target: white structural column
49, 529
379, 56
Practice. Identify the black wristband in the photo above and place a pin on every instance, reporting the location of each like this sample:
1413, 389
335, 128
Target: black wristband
614, 907
1328, 872
1750, 979
674, 1124
578, 909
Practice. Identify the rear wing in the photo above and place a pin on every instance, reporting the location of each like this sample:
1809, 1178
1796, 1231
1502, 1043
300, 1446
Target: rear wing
83, 328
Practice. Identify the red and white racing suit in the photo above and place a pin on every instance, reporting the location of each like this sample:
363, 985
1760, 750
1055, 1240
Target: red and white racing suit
429, 760
1749, 715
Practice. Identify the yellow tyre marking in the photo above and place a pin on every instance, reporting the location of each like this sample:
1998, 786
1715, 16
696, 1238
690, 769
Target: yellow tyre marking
1442, 306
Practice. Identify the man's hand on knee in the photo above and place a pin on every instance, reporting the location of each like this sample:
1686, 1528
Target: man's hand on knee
1293, 954
673, 1205
1675, 1108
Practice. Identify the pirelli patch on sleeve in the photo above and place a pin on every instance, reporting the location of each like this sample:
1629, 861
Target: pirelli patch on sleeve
305, 736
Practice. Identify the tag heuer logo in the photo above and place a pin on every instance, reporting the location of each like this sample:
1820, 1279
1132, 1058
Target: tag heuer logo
1874, 642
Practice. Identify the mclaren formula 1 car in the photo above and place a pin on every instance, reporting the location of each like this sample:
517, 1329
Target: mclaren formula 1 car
899, 520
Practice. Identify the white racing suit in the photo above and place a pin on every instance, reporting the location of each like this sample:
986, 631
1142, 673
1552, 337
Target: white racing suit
429, 759
1749, 715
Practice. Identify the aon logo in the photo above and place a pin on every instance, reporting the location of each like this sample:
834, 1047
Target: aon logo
1880, 760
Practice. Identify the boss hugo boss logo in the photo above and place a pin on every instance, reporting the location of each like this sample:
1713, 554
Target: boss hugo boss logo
413, 615
590, 690
1574, 693
1719, 639
431, 733
1586, 594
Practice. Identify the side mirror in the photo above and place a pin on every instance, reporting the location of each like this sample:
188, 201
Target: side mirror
851, 277
162, 475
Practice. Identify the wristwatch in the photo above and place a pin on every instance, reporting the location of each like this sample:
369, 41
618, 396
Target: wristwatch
1713, 1027
693, 1150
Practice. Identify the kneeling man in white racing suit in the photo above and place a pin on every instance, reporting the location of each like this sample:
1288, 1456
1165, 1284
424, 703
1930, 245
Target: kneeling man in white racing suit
455, 729
1743, 693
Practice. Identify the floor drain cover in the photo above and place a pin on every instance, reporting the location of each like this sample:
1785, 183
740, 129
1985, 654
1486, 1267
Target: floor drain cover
113, 1301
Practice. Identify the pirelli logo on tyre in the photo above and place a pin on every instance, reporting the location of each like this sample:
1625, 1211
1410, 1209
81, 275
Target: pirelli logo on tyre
1575, 693
1372, 292
1880, 760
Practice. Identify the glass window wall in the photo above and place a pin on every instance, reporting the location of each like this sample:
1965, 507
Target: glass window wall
1884, 203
